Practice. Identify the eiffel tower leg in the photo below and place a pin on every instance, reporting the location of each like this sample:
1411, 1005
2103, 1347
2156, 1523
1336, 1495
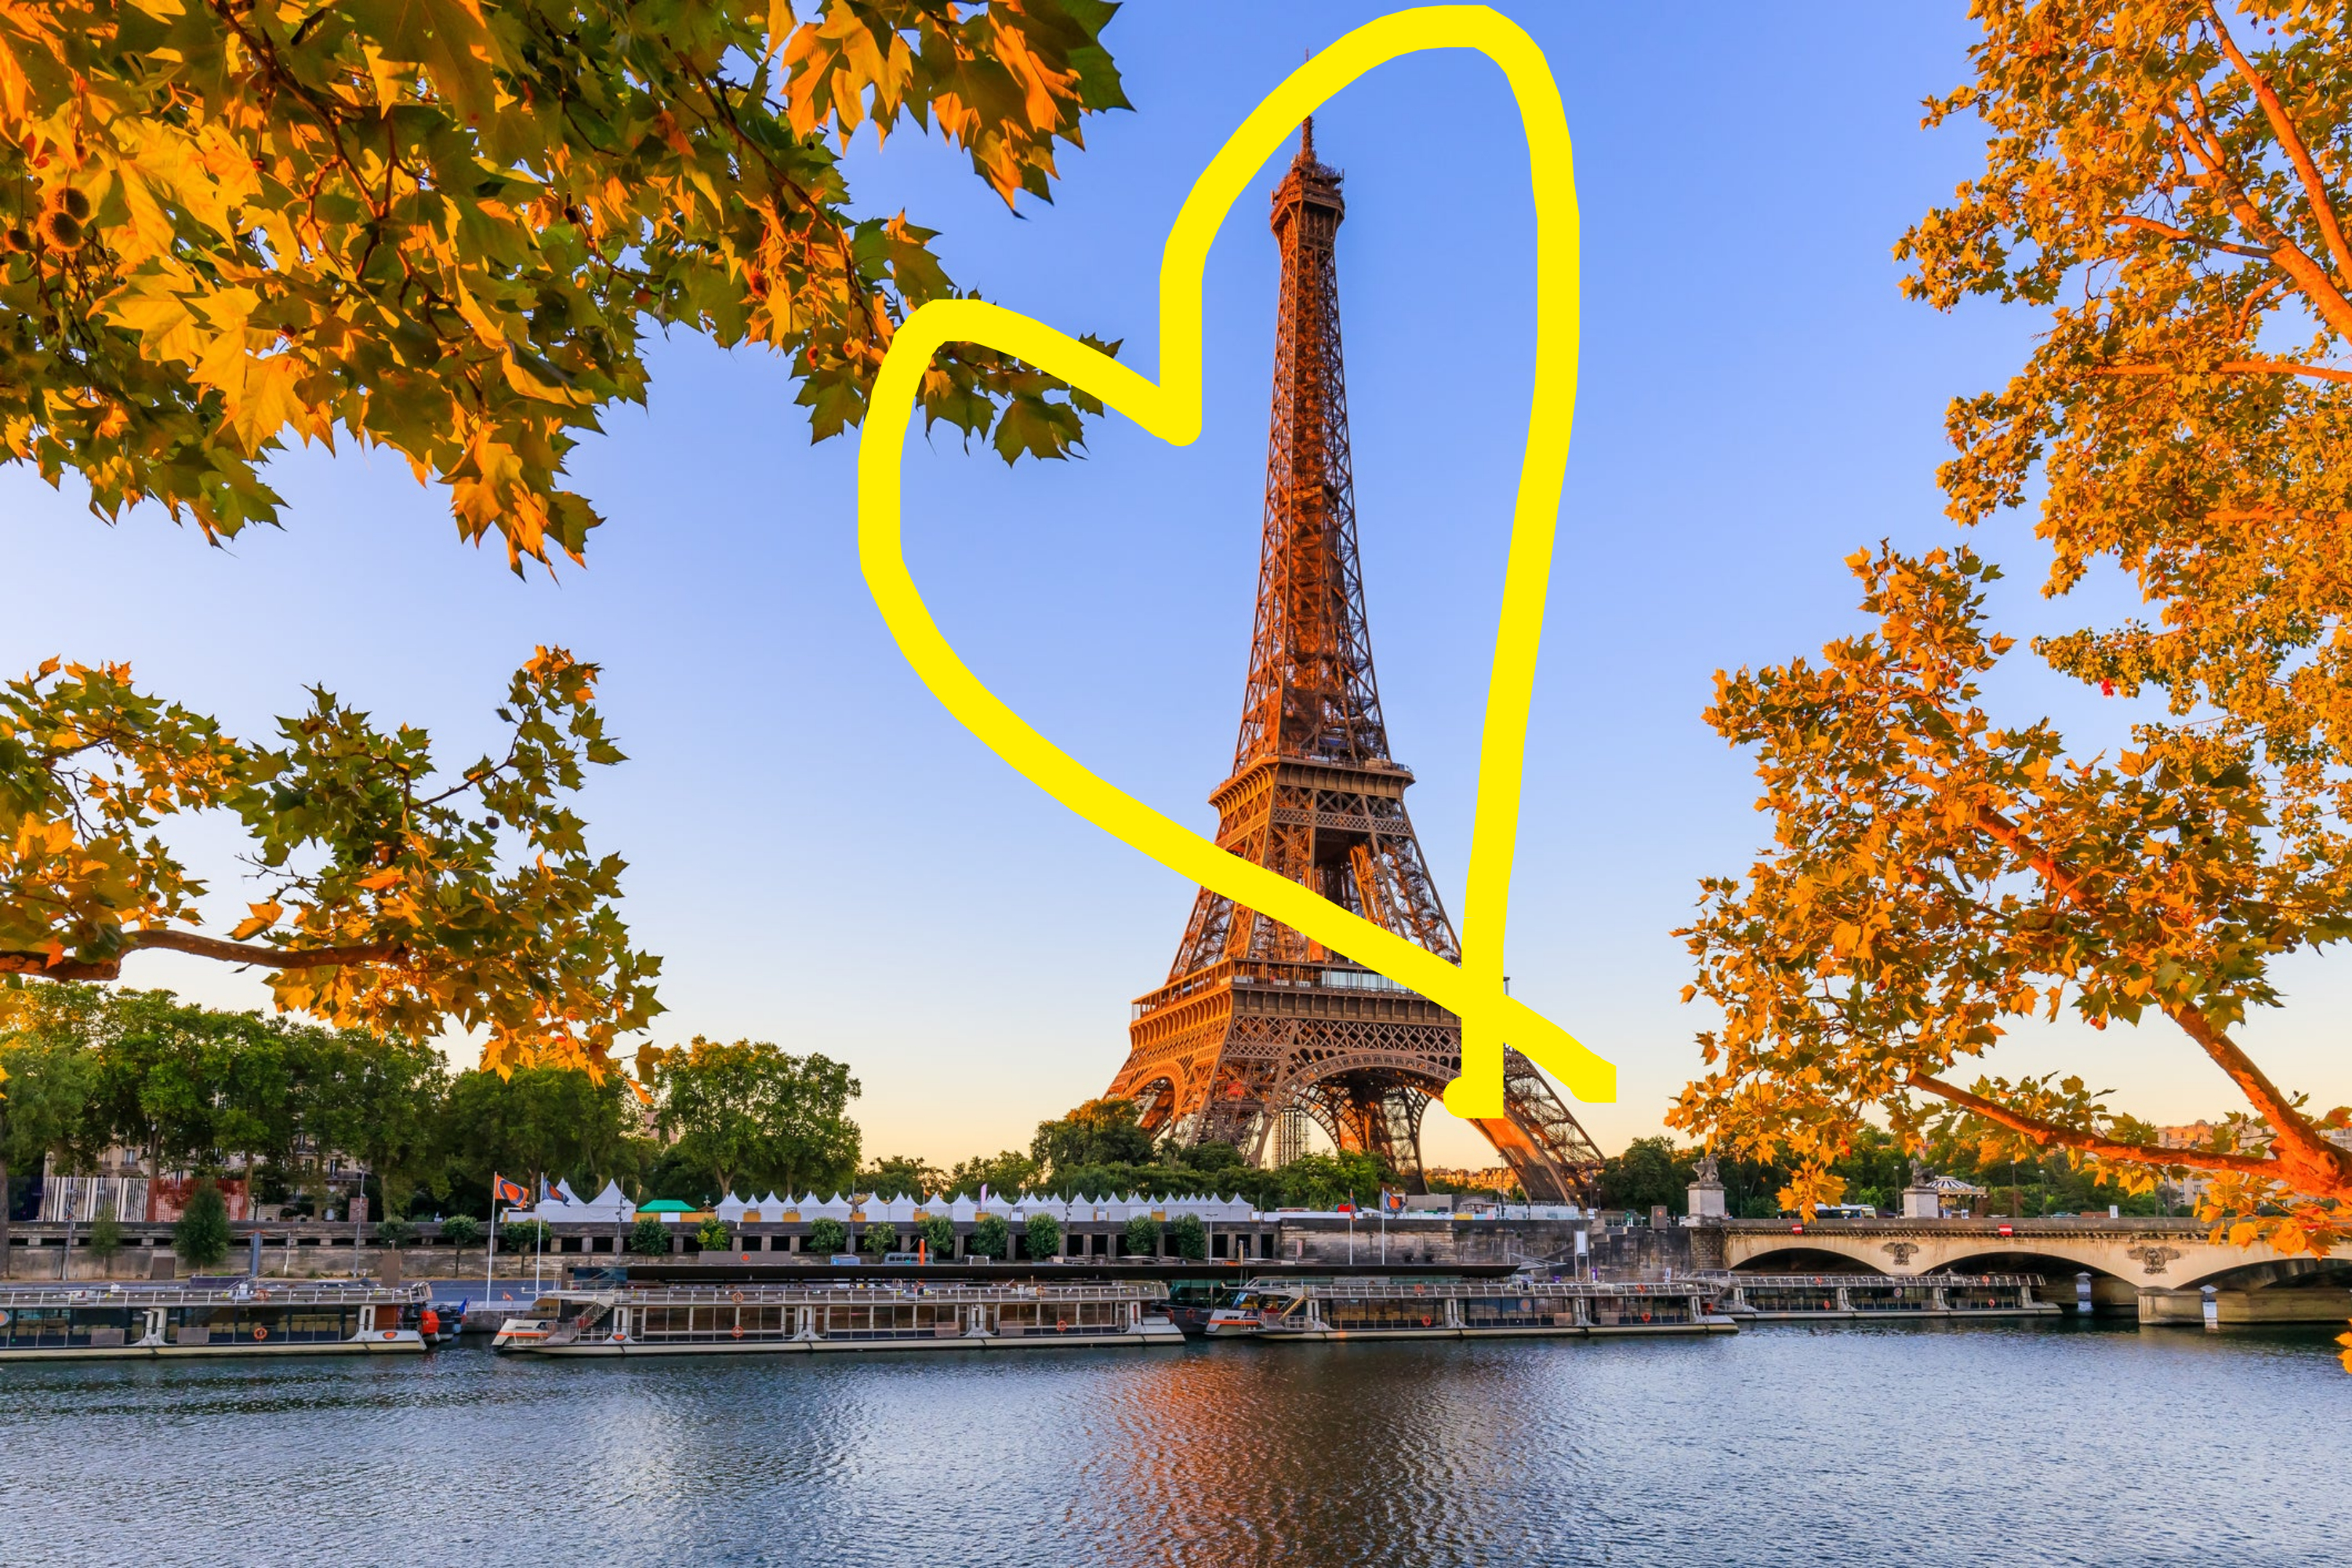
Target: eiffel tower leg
1555, 1160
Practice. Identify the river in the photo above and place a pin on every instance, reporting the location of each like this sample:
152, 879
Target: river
1804, 1446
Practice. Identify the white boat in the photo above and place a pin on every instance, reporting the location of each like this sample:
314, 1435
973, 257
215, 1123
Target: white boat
1390, 1309
309, 1317
761, 1319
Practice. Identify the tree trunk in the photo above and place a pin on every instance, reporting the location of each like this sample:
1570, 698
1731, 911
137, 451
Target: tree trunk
4, 1219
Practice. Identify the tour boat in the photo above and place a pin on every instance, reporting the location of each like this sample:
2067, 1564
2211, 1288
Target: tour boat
1353, 1309
675, 1320
1886, 1297
309, 1317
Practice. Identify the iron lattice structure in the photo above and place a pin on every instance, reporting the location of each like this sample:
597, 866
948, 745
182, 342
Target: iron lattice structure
1259, 1029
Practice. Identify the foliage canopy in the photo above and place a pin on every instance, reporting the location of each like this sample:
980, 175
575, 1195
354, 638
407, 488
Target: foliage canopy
397, 898
443, 226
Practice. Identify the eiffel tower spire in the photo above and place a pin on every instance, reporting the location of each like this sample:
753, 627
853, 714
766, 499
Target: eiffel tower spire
1259, 1029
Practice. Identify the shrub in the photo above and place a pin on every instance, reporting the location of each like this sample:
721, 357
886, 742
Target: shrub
106, 1236
1142, 1235
991, 1237
1189, 1237
202, 1237
522, 1235
828, 1235
396, 1234
649, 1237
880, 1236
713, 1236
461, 1230
1045, 1234
939, 1232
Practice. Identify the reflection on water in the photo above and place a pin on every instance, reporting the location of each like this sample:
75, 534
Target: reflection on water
1785, 1445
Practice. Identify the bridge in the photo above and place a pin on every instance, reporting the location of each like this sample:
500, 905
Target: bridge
2155, 1267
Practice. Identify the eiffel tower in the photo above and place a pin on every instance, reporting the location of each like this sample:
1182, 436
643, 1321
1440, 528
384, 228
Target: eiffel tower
1260, 1030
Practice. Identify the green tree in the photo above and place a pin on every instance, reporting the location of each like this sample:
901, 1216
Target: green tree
1188, 1237
828, 1235
557, 1120
1106, 1132
1008, 1173
200, 1236
523, 1235
44, 1079
442, 227
938, 1236
1142, 1235
714, 1235
461, 1231
2165, 183
1649, 1172
1044, 1233
649, 1237
396, 898
991, 1237
880, 1236
106, 1236
396, 1234
1326, 1181
901, 1176
752, 1112
380, 1101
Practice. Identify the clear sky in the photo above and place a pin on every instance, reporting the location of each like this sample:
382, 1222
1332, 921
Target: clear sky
824, 858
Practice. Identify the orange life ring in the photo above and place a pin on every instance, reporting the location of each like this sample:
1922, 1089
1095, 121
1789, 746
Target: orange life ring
735, 1295
1061, 1325
259, 1333
1424, 1320
739, 1330
1645, 1317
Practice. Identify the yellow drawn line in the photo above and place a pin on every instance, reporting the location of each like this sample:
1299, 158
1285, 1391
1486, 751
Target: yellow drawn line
1170, 409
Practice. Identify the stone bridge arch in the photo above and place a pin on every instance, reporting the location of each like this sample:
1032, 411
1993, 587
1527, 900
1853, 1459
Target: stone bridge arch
2154, 1267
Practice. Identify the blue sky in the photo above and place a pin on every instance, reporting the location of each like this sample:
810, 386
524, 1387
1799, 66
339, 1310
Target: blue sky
824, 858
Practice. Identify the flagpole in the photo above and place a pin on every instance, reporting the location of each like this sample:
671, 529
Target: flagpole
490, 1253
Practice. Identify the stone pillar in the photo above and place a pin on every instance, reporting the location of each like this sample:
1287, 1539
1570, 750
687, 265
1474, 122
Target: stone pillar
1707, 1192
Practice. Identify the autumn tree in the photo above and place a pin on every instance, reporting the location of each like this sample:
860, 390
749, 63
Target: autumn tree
2166, 185
397, 896
446, 227
752, 1112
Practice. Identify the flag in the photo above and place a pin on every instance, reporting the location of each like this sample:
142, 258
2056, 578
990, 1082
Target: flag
507, 1192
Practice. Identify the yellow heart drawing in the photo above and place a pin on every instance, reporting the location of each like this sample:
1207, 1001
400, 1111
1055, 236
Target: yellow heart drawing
1170, 409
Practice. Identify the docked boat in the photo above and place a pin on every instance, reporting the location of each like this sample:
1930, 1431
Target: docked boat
311, 1317
1351, 1309
1773, 1297
686, 1319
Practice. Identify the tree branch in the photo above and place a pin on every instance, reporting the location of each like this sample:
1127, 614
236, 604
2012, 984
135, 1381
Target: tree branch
2045, 1134
2185, 236
2305, 1161
227, 951
2314, 190
2232, 367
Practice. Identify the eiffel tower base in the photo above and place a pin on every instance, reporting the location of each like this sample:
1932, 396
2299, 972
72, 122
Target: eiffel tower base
1251, 1064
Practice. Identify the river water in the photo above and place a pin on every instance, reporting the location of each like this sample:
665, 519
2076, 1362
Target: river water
1785, 1445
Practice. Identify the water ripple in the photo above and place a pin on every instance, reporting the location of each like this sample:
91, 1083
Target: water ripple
1788, 1447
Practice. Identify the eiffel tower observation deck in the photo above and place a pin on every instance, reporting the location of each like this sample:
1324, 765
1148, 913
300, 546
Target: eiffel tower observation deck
1260, 1030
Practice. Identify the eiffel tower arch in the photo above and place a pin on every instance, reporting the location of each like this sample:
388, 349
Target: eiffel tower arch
1260, 1031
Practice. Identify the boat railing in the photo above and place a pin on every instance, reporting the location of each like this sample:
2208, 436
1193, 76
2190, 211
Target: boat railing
1716, 1279
275, 1293
846, 1294
1465, 1289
